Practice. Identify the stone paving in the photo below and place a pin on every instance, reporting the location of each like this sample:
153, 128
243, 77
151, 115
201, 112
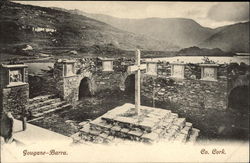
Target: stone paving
122, 123
34, 135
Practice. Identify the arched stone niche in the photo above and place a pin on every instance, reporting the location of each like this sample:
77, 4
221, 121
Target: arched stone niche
238, 94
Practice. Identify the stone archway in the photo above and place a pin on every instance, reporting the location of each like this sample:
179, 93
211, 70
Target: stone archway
130, 85
238, 94
84, 88
238, 99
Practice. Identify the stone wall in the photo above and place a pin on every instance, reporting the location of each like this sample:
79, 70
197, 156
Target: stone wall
107, 80
187, 93
70, 87
193, 92
15, 99
163, 69
190, 92
192, 71
91, 68
58, 78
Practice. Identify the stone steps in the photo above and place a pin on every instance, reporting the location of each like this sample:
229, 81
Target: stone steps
40, 98
52, 110
104, 130
156, 125
147, 125
48, 107
194, 135
36, 105
41, 105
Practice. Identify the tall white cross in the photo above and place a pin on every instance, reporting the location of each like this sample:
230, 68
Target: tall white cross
138, 81
137, 69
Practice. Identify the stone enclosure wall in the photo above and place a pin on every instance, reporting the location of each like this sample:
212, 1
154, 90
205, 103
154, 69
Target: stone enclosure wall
90, 68
191, 91
15, 100
187, 92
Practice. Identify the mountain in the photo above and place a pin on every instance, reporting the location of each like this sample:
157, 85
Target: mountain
196, 51
43, 28
179, 31
233, 38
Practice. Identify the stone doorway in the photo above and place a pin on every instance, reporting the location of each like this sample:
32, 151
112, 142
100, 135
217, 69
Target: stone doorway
238, 99
130, 85
84, 88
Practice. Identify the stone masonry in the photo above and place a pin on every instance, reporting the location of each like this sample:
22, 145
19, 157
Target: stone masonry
122, 124
68, 86
187, 93
190, 91
14, 95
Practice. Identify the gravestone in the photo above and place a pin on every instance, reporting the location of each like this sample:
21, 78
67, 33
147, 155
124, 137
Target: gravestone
209, 72
14, 93
151, 68
177, 70
107, 64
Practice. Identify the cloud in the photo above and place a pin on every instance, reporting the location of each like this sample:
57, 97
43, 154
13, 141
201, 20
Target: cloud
229, 11
209, 14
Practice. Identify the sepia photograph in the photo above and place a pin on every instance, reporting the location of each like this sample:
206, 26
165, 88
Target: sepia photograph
124, 81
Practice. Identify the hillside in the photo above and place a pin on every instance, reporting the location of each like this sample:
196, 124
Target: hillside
233, 38
196, 51
47, 28
180, 31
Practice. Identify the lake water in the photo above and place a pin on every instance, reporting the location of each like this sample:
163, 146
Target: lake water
199, 59
36, 68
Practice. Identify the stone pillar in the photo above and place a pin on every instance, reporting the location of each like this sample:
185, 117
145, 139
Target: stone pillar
107, 64
14, 93
177, 70
209, 72
151, 68
68, 68
66, 80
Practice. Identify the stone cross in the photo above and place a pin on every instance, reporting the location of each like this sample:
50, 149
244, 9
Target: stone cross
137, 68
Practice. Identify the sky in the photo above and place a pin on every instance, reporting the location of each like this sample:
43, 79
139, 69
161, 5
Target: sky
208, 14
